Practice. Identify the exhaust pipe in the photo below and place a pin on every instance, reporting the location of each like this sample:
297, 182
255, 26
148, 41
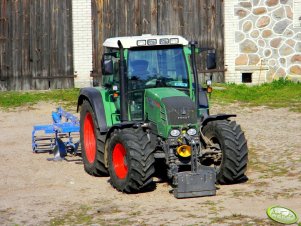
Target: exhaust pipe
195, 73
123, 87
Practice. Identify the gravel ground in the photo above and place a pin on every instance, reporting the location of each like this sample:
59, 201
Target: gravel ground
34, 191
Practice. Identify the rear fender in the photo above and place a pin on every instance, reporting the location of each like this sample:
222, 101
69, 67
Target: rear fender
95, 99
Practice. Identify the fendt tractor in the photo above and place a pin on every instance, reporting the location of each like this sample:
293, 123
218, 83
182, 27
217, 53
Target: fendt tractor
151, 108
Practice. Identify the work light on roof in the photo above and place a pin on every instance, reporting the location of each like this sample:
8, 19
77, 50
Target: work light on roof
164, 41
174, 41
152, 42
141, 42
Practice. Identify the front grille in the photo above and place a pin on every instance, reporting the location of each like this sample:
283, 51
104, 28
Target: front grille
162, 114
180, 110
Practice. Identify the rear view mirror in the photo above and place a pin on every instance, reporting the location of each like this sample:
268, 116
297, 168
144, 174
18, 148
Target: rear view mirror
211, 60
107, 66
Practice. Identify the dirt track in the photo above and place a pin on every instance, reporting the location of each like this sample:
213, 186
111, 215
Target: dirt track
34, 191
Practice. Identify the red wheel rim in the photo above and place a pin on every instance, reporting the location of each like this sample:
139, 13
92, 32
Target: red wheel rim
119, 161
89, 138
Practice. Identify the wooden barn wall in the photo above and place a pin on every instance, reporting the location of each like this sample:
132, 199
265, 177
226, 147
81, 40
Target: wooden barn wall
200, 20
36, 44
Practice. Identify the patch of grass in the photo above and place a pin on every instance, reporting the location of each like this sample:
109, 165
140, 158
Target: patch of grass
267, 169
89, 215
260, 184
79, 216
135, 213
239, 219
286, 193
240, 194
190, 215
280, 93
121, 221
12, 99
209, 203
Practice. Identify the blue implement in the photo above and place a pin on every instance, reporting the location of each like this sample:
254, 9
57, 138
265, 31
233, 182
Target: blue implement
58, 137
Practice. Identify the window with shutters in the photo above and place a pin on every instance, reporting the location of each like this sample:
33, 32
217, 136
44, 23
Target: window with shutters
297, 14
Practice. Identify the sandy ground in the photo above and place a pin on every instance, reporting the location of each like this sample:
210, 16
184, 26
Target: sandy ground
34, 191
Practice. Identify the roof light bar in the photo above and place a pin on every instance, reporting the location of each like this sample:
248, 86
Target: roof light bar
162, 41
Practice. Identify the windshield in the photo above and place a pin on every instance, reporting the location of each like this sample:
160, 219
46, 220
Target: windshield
157, 67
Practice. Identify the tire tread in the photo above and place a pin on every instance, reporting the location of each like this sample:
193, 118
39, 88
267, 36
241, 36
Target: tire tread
141, 159
98, 167
235, 150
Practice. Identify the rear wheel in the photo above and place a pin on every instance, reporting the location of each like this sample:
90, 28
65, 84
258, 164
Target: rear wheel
92, 153
131, 160
230, 160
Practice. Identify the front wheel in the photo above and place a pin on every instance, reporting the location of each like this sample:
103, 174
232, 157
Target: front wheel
131, 160
230, 160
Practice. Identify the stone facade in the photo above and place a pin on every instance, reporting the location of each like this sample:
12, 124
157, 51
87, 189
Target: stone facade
261, 35
82, 42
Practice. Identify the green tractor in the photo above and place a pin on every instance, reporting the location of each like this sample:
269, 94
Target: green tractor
151, 108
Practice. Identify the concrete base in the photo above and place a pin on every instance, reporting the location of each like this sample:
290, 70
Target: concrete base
294, 78
258, 73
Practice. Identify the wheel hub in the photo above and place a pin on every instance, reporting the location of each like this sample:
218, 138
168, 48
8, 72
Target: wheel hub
119, 161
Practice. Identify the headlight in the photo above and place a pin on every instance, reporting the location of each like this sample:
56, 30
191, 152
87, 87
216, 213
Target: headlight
209, 82
175, 133
191, 132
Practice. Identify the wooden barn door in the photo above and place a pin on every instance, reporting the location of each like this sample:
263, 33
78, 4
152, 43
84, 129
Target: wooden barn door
36, 44
200, 20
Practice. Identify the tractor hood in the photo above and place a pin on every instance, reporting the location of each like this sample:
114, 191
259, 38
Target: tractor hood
169, 108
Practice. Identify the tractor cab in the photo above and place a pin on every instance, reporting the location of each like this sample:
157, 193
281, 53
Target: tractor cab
152, 68
149, 62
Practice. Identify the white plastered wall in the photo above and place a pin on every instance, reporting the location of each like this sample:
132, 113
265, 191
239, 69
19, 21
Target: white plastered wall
231, 48
82, 42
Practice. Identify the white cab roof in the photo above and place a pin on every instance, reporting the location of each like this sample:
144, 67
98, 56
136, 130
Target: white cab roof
132, 41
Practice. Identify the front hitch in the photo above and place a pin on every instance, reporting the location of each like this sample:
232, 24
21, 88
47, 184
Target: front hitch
198, 182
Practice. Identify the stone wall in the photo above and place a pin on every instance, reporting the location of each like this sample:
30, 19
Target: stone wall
266, 43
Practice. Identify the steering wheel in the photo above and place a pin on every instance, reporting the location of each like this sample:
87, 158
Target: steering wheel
158, 81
